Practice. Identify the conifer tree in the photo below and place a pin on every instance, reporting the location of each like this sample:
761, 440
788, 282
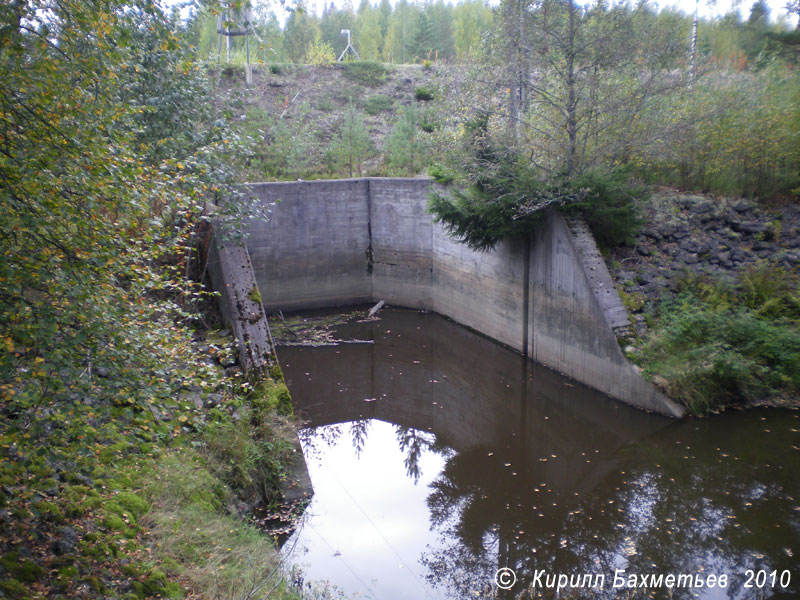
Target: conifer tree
352, 146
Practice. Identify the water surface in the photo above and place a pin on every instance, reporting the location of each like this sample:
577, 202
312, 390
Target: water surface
438, 456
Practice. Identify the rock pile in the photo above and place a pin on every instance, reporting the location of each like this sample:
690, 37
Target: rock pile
685, 234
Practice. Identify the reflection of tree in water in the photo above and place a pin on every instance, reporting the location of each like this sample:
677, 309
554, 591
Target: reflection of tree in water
413, 443
313, 438
358, 434
670, 508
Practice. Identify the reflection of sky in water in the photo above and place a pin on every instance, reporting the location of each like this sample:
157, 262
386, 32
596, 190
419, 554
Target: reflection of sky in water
519, 467
367, 514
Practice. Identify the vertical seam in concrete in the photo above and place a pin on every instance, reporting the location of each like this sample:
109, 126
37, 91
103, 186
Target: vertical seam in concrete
370, 259
526, 279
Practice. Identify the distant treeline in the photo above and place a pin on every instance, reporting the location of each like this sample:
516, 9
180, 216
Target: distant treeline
405, 33
437, 31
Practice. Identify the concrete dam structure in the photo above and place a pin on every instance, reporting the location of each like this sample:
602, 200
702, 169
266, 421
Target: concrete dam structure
339, 242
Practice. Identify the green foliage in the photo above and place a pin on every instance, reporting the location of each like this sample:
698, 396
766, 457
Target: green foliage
320, 53
133, 503
441, 174
378, 103
502, 195
368, 34
430, 121
194, 535
405, 148
351, 146
279, 149
22, 569
300, 33
718, 344
424, 93
609, 206
505, 203
101, 186
365, 72
251, 459
736, 133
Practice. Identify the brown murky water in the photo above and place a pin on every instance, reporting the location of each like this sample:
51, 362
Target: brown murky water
438, 457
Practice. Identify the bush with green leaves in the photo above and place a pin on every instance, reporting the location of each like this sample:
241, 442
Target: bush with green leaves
499, 194
378, 103
718, 344
365, 72
406, 149
351, 146
423, 93
430, 121
278, 149
108, 163
609, 203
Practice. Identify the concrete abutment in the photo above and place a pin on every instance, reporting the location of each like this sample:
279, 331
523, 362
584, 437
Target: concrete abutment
338, 242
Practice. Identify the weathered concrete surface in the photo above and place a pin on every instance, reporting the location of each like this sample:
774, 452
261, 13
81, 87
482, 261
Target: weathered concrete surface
314, 253
340, 242
569, 326
232, 276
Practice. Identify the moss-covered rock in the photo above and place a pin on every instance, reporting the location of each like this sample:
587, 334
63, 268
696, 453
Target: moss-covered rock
133, 503
22, 569
13, 588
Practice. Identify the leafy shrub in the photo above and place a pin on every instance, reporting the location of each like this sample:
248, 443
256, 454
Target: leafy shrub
718, 344
365, 72
441, 174
609, 206
320, 53
427, 64
250, 458
429, 122
405, 149
770, 291
423, 93
378, 103
276, 69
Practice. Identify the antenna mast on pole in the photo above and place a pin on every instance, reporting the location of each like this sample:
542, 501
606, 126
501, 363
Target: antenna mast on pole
234, 22
348, 47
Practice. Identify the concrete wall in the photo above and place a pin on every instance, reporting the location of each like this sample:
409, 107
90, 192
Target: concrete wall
313, 250
232, 276
349, 241
483, 392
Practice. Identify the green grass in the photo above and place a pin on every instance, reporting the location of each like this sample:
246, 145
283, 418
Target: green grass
719, 344
424, 94
197, 539
378, 104
365, 72
126, 481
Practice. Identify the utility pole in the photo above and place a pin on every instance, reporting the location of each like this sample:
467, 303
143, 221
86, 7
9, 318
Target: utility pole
348, 47
693, 55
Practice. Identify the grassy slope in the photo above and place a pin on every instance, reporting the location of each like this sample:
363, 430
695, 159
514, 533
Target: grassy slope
311, 102
136, 504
